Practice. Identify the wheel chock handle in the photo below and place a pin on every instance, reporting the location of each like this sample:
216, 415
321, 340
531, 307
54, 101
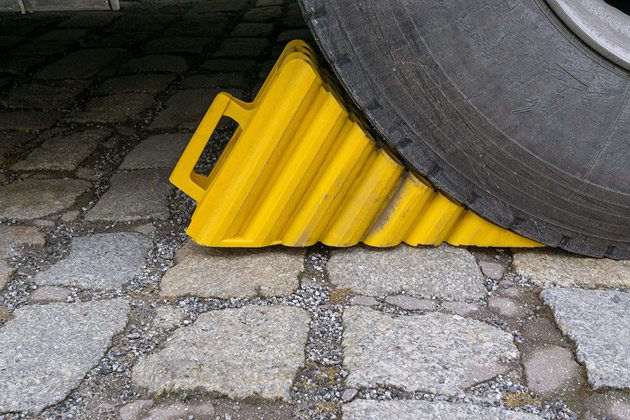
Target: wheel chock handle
184, 176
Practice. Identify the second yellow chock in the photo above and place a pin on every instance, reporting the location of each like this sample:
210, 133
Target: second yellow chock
300, 169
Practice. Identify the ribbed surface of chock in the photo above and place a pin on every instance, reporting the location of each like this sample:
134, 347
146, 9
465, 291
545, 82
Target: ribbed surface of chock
300, 169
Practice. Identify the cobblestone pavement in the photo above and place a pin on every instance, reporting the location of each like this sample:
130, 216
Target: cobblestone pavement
107, 311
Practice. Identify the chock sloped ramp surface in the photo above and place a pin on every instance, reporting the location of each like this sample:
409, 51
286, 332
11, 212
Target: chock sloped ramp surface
301, 169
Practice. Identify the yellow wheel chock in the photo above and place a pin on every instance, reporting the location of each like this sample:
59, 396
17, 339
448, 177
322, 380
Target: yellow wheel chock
300, 169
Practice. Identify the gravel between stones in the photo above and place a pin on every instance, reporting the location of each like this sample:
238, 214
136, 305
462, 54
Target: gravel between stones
45, 350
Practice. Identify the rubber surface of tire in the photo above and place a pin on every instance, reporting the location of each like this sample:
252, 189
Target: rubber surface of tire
497, 104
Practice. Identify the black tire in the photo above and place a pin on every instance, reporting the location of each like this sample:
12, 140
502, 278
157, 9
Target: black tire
497, 104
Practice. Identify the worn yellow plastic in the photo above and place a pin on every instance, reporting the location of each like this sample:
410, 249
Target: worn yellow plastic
300, 169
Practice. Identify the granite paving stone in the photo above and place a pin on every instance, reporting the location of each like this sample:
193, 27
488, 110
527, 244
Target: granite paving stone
221, 80
552, 373
177, 44
409, 303
38, 343
89, 19
252, 30
64, 152
7, 41
185, 109
461, 308
45, 48
445, 272
123, 40
242, 47
159, 63
215, 6
203, 26
492, 269
292, 34
160, 151
425, 410
20, 64
11, 141
81, 64
262, 3
597, 321
228, 65
226, 273
148, 83
35, 198
103, 261
63, 35
57, 95
435, 352
551, 267
363, 300
119, 107
12, 237
5, 273
168, 317
135, 195
48, 294
541, 330
147, 23
613, 405
28, 120
147, 410
246, 352
263, 14
505, 306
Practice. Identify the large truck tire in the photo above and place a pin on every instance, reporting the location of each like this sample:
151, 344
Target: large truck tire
498, 104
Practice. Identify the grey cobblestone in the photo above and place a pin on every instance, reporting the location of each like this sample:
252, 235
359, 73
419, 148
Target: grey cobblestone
597, 321
63, 153
28, 120
420, 272
435, 352
260, 349
177, 44
82, 64
136, 195
161, 151
12, 237
185, 109
33, 198
89, 20
118, 107
252, 30
159, 63
60, 95
150, 83
45, 350
559, 268
102, 261
228, 65
20, 64
423, 410
242, 47
226, 273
